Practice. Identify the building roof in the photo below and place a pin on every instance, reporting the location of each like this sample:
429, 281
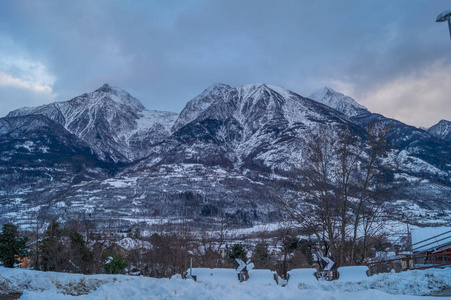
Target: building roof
431, 238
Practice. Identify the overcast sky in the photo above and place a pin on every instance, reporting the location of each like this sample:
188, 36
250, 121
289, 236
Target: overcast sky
390, 56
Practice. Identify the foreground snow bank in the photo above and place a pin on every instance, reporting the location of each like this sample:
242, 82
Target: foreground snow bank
19, 280
417, 282
49, 285
354, 273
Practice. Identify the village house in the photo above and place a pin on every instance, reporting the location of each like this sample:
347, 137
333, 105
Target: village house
431, 246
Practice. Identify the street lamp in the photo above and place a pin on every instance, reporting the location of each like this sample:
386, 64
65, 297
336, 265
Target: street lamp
445, 16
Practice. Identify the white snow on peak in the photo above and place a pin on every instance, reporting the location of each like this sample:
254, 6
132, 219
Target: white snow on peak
338, 101
251, 87
116, 94
248, 90
441, 130
247, 100
217, 86
209, 95
121, 120
86, 101
281, 91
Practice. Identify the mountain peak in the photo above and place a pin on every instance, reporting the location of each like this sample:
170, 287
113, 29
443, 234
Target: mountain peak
249, 89
253, 86
441, 130
200, 103
110, 120
338, 101
106, 85
106, 88
116, 94
327, 92
216, 89
218, 85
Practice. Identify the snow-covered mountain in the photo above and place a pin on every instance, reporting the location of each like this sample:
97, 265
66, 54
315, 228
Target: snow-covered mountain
441, 130
229, 153
115, 124
338, 101
254, 126
426, 149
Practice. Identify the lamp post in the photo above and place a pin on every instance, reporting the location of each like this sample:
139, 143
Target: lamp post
445, 16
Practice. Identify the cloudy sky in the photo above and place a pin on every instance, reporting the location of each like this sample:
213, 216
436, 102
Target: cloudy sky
391, 56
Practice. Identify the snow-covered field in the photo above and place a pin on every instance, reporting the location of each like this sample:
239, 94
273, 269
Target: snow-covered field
50, 285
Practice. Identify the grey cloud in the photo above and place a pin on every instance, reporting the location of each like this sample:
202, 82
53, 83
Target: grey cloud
165, 53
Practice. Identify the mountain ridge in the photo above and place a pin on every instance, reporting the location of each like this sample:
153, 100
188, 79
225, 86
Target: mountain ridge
230, 152
110, 120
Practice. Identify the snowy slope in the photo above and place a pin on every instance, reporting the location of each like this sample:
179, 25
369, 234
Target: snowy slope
115, 124
338, 101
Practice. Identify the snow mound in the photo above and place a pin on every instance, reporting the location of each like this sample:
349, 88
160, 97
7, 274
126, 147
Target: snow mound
298, 276
354, 273
266, 277
215, 275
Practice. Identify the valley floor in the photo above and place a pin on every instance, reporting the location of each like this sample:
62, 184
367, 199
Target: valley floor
51, 285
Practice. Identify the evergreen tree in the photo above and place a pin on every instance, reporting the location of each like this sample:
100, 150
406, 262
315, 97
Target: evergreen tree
12, 246
115, 264
52, 248
80, 255
237, 251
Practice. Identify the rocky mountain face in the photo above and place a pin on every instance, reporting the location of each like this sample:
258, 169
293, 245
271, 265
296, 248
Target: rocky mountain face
441, 130
38, 154
229, 154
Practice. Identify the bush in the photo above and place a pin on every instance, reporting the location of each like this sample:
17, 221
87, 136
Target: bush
115, 264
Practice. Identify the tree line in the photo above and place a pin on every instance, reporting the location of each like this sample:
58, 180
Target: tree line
70, 249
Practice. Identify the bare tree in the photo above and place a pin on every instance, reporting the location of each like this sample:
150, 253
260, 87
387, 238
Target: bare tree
341, 182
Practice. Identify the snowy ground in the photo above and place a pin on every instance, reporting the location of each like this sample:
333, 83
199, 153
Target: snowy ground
49, 285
